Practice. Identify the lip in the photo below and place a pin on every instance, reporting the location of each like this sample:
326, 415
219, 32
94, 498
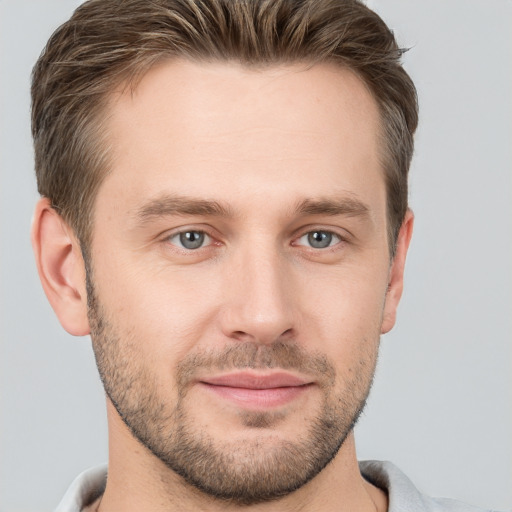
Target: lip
250, 380
257, 391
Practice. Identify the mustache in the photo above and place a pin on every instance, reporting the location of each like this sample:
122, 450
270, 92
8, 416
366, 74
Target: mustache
254, 356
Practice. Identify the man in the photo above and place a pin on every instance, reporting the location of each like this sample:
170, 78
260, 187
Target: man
225, 212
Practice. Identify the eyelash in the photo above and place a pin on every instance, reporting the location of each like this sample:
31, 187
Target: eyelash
330, 235
209, 240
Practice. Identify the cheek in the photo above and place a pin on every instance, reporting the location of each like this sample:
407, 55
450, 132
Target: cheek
348, 299
165, 310
344, 318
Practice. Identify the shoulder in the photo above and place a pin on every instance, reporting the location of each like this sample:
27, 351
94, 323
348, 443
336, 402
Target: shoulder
403, 495
85, 489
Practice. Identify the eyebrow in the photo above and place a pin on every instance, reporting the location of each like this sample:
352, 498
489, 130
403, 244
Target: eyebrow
183, 205
347, 206
180, 205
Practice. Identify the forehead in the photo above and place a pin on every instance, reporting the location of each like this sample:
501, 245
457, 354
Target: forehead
224, 128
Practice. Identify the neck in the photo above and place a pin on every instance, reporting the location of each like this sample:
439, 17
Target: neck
137, 480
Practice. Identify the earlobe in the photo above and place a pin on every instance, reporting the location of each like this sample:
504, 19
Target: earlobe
61, 268
396, 273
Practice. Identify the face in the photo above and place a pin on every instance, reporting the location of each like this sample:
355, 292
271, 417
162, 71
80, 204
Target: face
239, 270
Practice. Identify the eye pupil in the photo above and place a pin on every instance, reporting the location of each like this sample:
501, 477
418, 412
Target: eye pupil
319, 239
192, 239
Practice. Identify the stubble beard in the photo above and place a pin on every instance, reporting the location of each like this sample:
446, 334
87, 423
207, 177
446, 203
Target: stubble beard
245, 472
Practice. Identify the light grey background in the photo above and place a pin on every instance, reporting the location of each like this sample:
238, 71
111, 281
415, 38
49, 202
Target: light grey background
441, 407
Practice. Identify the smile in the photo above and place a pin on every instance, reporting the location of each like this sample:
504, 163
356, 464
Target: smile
256, 391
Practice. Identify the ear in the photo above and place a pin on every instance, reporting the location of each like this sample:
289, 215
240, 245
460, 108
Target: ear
396, 273
61, 268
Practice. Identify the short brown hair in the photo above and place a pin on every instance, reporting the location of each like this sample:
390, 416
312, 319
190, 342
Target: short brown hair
110, 42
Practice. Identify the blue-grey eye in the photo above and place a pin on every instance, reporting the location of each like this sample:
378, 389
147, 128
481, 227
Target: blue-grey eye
319, 239
190, 239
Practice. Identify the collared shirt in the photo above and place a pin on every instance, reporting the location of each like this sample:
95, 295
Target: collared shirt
402, 494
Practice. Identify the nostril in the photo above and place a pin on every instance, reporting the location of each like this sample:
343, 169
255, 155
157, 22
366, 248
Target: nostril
287, 334
268, 338
241, 336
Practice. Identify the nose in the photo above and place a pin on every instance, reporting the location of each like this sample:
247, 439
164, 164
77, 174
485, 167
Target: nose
260, 303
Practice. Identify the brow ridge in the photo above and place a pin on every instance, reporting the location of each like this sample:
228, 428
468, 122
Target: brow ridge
347, 206
181, 205
184, 205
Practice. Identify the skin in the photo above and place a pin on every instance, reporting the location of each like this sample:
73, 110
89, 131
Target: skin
259, 143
